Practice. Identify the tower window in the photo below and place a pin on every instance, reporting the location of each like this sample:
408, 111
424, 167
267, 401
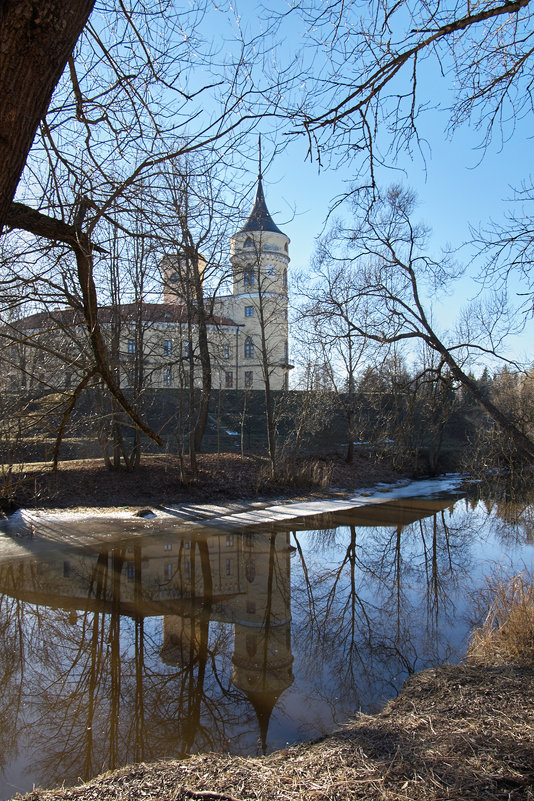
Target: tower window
249, 379
286, 354
174, 277
269, 270
249, 243
249, 311
284, 279
167, 376
249, 348
167, 347
228, 380
187, 349
131, 346
249, 277
226, 351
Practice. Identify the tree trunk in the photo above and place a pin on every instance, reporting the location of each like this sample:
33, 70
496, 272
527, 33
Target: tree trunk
36, 39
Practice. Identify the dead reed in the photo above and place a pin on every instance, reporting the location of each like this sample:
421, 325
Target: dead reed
507, 633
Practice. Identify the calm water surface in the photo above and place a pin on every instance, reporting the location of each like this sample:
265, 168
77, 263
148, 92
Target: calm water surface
178, 641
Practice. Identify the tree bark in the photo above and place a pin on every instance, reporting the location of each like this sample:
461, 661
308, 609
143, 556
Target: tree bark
36, 40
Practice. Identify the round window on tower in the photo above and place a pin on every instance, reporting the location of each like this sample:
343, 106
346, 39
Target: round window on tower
174, 277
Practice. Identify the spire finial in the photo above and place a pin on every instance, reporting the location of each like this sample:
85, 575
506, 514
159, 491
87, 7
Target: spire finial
259, 158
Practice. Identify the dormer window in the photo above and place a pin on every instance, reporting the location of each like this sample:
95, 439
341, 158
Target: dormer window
249, 242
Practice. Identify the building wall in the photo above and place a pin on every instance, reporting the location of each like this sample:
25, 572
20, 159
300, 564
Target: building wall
259, 305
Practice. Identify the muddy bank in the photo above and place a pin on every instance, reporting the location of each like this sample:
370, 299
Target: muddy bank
454, 732
87, 483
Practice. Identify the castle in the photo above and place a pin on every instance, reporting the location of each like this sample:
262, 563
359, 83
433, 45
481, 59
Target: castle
250, 326
157, 344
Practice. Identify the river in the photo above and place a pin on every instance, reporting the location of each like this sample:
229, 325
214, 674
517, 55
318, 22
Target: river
163, 640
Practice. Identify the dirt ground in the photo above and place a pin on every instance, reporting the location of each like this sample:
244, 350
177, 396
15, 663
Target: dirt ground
458, 732
87, 483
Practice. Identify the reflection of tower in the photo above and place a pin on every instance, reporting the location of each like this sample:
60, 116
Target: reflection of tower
181, 640
262, 635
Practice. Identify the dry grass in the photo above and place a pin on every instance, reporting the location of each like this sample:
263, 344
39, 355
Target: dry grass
507, 633
457, 732
225, 476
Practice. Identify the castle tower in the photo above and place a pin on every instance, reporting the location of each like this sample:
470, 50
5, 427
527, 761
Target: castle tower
259, 255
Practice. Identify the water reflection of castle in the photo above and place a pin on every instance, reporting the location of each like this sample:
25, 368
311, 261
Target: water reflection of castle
192, 580
243, 580
251, 589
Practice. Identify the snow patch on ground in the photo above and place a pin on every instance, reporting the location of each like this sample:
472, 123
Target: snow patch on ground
49, 523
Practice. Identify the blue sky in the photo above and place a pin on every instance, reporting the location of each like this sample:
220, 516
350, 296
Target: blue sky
458, 185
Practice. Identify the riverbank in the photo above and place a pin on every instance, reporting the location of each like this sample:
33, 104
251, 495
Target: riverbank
454, 732
88, 484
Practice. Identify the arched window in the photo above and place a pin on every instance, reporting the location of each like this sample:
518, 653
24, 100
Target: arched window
249, 242
284, 279
249, 348
249, 277
269, 270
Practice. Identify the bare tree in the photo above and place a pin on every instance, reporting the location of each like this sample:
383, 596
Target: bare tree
390, 271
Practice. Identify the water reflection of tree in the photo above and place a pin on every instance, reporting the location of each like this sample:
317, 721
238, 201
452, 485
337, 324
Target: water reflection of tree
97, 701
510, 503
372, 617
11, 677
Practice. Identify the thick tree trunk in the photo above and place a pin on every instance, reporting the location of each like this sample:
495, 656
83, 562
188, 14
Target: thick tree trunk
36, 39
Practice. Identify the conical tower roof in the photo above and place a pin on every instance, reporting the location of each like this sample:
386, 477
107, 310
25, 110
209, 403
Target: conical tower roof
259, 218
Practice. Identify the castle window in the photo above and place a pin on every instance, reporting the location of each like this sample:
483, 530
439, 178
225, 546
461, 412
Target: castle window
229, 540
131, 571
131, 346
249, 242
249, 348
271, 247
249, 277
284, 279
228, 567
269, 270
250, 570
167, 347
186, 349
228, 380
249, 379
249, 311
226, 351
174, 277
286, 352
167, 376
